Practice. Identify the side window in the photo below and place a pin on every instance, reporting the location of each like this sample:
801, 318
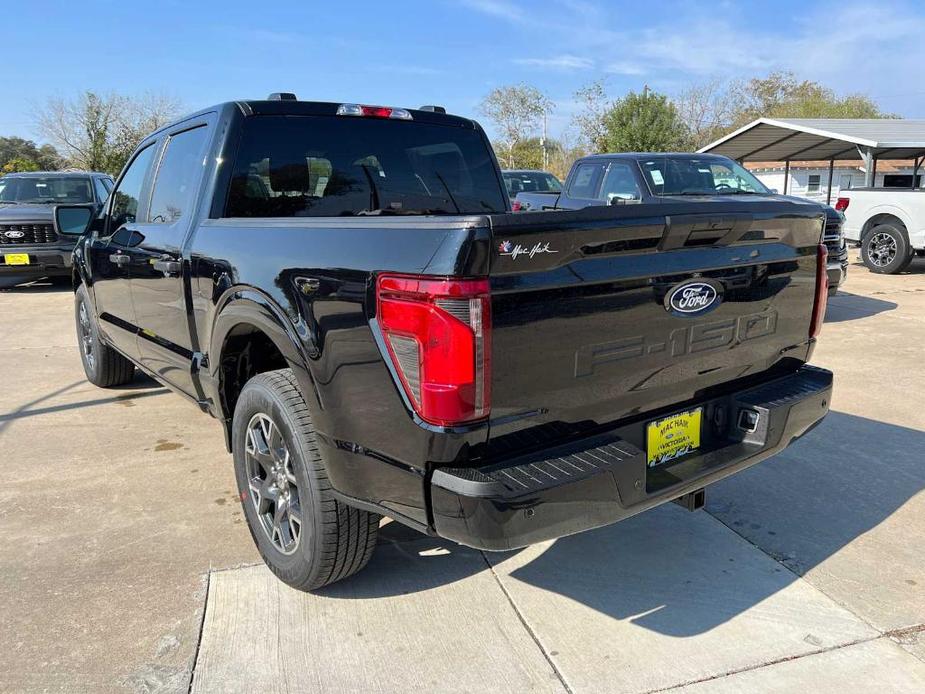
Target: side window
127, 194
619, 183
813, 184
101, 191
179, 170
584, 184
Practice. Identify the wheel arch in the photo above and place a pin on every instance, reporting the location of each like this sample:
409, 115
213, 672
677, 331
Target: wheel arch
251, 334
893, 217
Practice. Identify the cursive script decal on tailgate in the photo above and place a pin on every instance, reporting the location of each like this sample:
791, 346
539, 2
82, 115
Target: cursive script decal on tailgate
516, 250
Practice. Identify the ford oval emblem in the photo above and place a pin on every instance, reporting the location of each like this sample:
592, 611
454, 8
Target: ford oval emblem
14, 234
694, 298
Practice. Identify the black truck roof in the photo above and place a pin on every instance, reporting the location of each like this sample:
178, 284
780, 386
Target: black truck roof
293, 107
46, 174
651, 155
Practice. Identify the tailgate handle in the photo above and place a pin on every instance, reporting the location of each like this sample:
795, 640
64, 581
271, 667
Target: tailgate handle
704, 230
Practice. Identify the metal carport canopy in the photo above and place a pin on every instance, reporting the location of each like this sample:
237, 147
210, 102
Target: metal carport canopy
812, 139
809, 139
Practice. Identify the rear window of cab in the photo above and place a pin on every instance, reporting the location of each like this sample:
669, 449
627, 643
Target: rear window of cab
323, 166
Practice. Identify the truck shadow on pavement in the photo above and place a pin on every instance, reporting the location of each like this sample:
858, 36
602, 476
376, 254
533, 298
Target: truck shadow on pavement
845, 307
58, 285
682, 574
141, 386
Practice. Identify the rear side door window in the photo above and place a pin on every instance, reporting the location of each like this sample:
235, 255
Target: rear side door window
620, 184
179, 171
586, 181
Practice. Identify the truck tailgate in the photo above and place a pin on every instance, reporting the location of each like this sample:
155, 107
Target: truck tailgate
607, 313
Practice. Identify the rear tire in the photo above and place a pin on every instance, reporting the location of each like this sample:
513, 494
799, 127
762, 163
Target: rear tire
103, 365
886, 250
305, 535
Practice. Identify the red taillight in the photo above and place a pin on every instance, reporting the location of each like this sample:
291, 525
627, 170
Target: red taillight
842, 204
516, 206
822, 291
373, 111
438, 334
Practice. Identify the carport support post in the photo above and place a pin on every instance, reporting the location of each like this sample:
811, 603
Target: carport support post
869, 167
915, 170
828, 197
786, 175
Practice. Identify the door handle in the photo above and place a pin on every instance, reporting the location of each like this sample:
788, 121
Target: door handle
168, 267
120, 259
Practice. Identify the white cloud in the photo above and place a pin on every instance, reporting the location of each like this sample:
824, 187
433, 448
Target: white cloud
624, 67
498, 8
852, 46
559, 62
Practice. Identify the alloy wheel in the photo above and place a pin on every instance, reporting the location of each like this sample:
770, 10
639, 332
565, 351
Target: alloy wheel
86, 335
272, 485
881, 249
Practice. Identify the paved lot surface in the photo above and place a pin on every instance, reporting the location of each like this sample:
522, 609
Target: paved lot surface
126, 564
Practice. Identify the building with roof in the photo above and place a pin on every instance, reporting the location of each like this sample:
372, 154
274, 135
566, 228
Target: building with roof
810, 179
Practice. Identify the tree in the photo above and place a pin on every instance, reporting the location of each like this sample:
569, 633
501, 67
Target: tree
646, 122
20, 164
526, 153
707, 110
517, 111
590, 120
782, 95
45, 158
99, 132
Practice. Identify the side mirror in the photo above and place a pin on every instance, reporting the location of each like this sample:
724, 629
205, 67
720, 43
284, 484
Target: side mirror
73, 220
774, 191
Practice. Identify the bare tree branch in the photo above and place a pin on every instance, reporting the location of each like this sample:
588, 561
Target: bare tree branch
99, 132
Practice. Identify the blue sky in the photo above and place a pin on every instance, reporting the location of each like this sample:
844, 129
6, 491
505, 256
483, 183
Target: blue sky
449, 52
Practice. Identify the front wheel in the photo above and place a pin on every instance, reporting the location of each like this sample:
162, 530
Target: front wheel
885, 249
103, 365
305, 535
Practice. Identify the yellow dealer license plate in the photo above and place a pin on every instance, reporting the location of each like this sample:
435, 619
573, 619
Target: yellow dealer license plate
672, 437
16, 258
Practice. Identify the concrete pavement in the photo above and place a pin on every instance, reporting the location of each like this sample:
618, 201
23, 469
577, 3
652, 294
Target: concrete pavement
122, 534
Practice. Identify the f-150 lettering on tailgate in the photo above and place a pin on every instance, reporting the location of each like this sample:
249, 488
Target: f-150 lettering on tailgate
679, 343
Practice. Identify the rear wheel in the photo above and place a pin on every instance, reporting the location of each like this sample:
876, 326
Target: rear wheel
305, 535
885, 249
103, 365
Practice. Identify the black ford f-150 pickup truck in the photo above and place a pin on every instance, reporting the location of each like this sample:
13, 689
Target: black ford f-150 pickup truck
343, 287
30, 245
634, 178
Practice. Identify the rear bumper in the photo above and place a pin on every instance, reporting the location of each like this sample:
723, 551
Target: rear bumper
605, 479
50, 259
837, 272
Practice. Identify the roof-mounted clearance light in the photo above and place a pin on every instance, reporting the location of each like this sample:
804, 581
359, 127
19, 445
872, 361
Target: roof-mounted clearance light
373, 111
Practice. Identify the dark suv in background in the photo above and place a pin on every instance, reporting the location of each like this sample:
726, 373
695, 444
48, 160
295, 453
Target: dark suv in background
30, 245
